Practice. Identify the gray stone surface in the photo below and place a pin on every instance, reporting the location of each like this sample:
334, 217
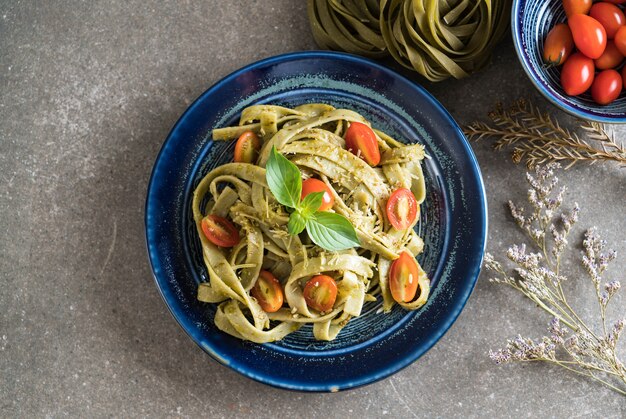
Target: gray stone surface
88, 92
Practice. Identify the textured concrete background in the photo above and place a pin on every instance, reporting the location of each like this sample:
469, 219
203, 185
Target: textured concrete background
88, 93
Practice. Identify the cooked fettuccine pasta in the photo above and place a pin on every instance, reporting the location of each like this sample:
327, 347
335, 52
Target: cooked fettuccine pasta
268, 282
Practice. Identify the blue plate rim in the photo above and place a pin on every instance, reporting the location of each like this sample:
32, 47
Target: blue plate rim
456, 308
516, 33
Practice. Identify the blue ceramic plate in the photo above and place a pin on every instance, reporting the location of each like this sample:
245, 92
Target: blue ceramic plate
453, 220
531, 20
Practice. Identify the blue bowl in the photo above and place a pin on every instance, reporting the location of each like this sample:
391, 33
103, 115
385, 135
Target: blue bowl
531, 20
453, 220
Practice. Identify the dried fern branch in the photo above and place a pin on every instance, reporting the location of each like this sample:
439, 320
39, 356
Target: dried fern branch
538, 138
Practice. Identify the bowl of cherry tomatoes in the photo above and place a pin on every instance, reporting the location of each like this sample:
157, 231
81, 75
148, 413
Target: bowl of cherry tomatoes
573, 52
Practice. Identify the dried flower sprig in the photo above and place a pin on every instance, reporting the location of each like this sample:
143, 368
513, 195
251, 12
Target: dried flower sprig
538, 138
571, 342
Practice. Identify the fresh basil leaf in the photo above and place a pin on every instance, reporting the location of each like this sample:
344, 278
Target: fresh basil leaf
283, 179
331, 231
311, 203
296, 223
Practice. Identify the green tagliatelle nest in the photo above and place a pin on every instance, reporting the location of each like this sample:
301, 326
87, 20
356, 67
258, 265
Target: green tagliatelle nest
436, 38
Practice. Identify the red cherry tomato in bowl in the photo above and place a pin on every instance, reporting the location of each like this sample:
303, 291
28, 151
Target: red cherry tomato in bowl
315, 185
573, 7
577, 74
589, 35
558, 45
606, 87
320, 292
220, 231
402, 208
611, 57
361, 140
620, 40
247, 147
403, 276
268, 292
610, 17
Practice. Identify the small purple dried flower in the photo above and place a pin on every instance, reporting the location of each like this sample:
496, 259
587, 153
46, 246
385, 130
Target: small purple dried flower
616, 330
534, 200
490, 263
612, 287
552, 204
518, 214
560, 240
571, 218
557, 333
571, 344
605, 258
604, 298
518, 255
591, 268
501, 356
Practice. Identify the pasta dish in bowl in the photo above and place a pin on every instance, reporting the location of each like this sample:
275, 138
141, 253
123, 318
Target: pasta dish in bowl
315, 221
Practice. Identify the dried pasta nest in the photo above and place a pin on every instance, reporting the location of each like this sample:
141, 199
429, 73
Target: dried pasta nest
436, 38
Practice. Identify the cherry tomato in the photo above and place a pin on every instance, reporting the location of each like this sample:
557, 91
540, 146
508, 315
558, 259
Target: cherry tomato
577, 74
315, 185
589, 35
620, 40
268, 292
573, 7
320, 292
402, 208
611, 57
610, 17
606, 87
361, 140
558, 45
403, 276
220, 231
615, 1
247, 147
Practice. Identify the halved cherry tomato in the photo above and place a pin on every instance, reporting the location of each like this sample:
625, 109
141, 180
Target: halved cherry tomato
320, 292
589, 35
610, 17
573, 7
620, 40
220, 231
577, 74
611, 57
558, 45
247, 147
315, 185
403, 276
606, 87
402, 208
268, 292
361, 140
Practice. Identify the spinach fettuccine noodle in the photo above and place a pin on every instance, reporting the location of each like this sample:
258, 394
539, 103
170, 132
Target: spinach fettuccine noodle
436, 38
311, 137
